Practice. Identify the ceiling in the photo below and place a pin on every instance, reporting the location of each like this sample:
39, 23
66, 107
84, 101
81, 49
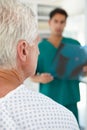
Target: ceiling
73, 7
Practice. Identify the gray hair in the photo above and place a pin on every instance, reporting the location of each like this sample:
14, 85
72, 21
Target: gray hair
17, 22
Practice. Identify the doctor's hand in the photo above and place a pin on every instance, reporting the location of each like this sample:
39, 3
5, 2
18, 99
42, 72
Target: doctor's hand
85, 70
42, 78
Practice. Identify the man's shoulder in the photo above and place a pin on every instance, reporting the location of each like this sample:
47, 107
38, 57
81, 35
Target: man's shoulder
22, 95
36, 104
71, 41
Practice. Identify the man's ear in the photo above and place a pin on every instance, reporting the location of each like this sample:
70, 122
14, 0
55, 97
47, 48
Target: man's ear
22, 50
49, 22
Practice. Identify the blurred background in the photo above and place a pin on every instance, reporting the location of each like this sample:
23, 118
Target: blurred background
76, 28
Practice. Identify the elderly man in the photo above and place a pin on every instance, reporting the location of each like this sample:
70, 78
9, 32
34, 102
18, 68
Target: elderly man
20, 108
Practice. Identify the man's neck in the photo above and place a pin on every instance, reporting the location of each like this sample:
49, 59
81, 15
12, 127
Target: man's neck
55, 40
6, 87
9, 80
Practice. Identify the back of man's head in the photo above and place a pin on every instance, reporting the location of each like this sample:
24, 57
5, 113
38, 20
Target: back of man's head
17, 22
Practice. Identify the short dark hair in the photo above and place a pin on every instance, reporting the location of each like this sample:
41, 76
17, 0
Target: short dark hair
58, 11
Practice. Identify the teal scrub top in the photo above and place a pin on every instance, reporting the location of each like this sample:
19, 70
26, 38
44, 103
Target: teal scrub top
64, 92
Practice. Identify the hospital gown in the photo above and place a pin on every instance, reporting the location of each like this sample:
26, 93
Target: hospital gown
23, 109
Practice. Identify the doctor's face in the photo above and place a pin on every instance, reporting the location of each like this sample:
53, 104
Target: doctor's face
57, 24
